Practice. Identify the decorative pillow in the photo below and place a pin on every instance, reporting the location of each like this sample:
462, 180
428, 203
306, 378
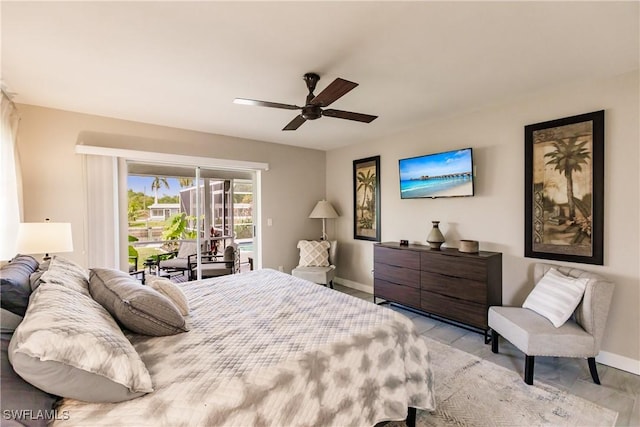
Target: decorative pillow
14, 283
68, 345
556, 296
67, 273
21, 401
170, 290
137, 307
314, 253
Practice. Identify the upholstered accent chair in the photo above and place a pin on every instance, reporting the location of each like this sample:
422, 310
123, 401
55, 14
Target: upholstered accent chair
317, 272
535, 335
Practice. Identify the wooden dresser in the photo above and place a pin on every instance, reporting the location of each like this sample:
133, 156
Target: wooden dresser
449, 284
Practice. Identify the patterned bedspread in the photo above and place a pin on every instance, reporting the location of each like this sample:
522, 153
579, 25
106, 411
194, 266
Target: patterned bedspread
266, 348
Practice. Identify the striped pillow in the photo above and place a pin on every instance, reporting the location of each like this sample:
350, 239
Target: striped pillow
556, 296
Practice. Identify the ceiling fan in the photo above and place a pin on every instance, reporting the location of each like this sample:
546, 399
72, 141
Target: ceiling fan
314, 106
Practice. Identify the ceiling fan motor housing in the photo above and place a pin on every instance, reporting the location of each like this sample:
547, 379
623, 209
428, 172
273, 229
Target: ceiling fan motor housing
311, 112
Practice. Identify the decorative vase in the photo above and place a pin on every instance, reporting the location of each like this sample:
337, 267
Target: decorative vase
435, 237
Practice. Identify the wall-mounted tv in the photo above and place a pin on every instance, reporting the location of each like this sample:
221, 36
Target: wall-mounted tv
446, 174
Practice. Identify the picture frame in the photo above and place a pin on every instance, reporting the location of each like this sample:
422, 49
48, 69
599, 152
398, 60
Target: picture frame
564, 189
366, 199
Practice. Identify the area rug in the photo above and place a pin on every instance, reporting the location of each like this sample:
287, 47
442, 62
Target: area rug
474, 392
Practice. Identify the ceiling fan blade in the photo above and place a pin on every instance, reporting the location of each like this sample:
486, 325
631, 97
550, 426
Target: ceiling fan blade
295, 123
358, 117
335, 90
257, 103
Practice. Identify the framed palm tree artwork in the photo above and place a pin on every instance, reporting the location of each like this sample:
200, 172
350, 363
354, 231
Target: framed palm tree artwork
564, 189
366, 199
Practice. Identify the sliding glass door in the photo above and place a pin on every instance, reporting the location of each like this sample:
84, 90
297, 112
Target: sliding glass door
174, 208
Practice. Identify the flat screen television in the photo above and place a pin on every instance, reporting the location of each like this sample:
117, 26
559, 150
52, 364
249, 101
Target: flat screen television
446, 174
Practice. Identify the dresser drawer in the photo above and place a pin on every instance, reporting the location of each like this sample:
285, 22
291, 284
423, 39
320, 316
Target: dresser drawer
405, 295
462, 311
396, 257
456, 266
394, 274
465, 289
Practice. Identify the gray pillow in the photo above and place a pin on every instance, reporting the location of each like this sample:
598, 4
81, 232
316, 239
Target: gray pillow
15, 288
20, 397
9, 321
68, 345
36, 276
136, 307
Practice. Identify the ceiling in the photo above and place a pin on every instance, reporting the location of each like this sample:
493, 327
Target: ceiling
181, 64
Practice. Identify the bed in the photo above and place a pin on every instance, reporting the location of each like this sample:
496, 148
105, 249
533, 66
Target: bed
266, 348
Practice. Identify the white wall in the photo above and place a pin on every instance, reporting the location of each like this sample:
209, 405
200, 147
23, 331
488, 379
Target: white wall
495, 216
53, 177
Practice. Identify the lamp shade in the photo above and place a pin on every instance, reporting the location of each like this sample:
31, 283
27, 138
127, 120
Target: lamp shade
323, 209
44, 237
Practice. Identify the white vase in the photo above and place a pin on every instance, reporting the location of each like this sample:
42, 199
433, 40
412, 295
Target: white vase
435, 237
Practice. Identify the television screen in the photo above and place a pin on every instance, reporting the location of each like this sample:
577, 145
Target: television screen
447, 174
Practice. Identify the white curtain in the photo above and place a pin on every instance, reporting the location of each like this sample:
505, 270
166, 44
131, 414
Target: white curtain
10, 180
101, 177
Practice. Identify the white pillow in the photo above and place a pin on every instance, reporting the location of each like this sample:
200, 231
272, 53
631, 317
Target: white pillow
68, 345
314, 253
170, 290
556, 296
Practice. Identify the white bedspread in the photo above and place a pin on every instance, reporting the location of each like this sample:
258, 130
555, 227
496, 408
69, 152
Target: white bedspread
266, 348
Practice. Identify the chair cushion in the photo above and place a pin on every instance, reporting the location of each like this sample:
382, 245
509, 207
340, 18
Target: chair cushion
556, 296
216, 269
186, 249
319, 275
314, 253
137, 307
532, 333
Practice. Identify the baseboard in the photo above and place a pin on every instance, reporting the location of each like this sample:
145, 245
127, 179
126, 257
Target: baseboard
353, 285
619, 362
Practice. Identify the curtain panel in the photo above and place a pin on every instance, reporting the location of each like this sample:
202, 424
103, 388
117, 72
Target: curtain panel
10, 179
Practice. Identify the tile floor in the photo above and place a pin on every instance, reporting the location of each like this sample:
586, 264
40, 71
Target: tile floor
620, 390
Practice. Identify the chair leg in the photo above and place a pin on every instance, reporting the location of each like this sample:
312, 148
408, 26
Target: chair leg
593, 370
494, 341
528, 369
331, 284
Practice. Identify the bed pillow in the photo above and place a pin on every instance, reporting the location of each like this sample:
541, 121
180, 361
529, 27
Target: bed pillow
67, 273
15, 288
20, 400
36, 276
556, 296
68, 345
9, 321
136, 307
170, 290
314, 253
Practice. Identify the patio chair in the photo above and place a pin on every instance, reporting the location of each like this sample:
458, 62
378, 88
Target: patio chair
214, 266
180, 260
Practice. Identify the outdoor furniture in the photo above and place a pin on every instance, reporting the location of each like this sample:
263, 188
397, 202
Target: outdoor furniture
535, 335
179, 262
214, 265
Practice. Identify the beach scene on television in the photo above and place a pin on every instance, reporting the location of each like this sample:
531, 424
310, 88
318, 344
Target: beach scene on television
447, 174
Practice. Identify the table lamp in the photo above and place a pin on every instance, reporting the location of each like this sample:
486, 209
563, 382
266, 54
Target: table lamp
323, 210
44, 238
